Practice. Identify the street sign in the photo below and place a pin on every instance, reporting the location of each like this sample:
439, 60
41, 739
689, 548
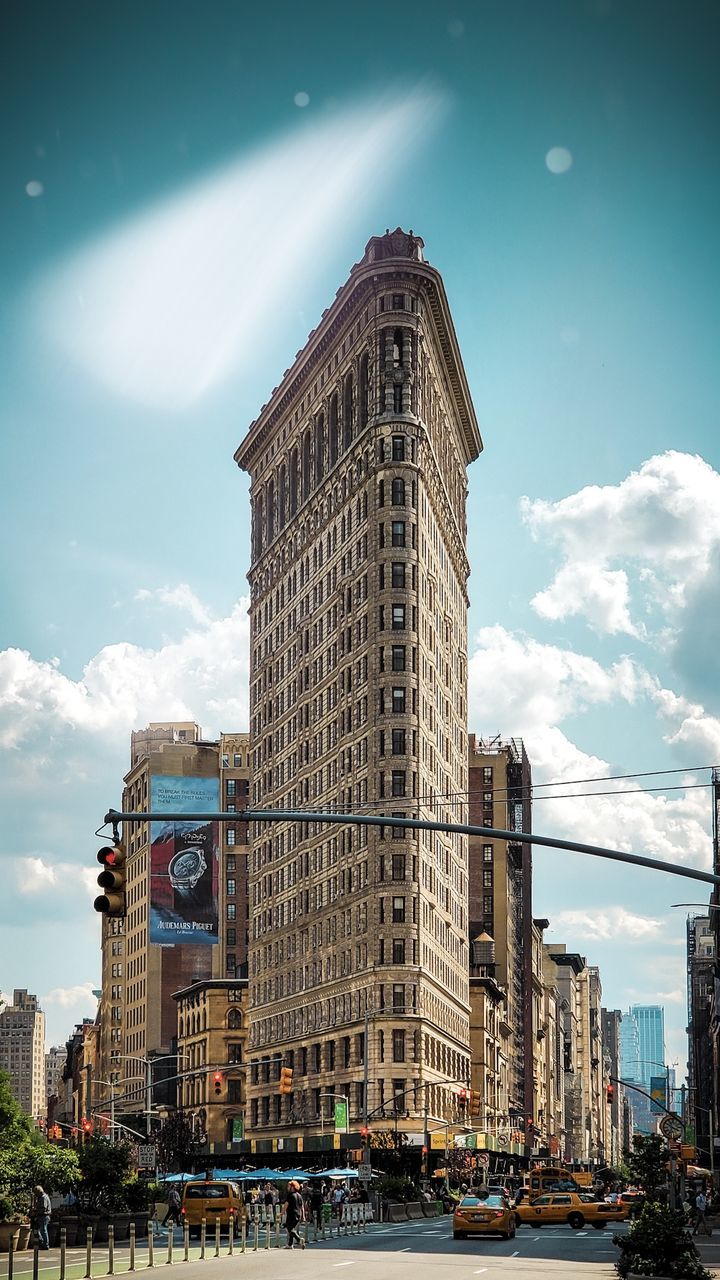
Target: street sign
146, 1156
503, 1139
671, 1126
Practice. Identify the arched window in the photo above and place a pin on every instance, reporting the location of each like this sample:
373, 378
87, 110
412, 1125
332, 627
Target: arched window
293, 482
398, 492
282, 497
306, 477
363, 392
234, 1020
333, 430
270, 510
348, 410
319, 448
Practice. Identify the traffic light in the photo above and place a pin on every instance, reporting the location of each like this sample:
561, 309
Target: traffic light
286, 1080
462, 1097
610, 1092
365, 1134
475, 1102
218, 1083
112, 880
87, 1126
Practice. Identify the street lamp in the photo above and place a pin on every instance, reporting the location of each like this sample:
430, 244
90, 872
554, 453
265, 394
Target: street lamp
149, 1063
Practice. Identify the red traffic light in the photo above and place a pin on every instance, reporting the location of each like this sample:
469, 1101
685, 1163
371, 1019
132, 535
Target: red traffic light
111, 880
218, 1083
610, 1092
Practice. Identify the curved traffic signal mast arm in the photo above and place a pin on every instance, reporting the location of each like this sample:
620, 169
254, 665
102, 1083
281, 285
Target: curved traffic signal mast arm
421, 824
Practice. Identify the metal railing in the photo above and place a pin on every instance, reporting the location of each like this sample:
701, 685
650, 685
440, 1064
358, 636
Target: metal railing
259, 1227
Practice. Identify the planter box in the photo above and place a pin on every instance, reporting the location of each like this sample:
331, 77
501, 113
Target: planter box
9, 1231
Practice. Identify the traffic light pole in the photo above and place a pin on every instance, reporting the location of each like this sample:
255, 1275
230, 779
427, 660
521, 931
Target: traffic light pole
115, 817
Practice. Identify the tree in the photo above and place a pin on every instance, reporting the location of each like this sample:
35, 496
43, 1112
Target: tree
15, 1126
23, 1167
646, 1163
104, 1167
177, 1146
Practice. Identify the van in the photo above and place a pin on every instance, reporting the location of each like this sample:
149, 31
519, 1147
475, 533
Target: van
213, 1201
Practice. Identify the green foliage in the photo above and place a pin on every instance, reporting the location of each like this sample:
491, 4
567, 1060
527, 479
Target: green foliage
136, 1193
659, 1244
30, 1164
105, 1168
396, 1189
646, 1163
15, 1126
177, 1146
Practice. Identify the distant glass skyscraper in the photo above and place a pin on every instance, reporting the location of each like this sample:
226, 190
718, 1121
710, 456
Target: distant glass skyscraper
650, 1019
629, 1048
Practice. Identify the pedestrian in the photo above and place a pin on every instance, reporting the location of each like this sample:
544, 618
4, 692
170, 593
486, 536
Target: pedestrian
294, 1213
316, 1205
700, 1212
40, 1211
173, 1209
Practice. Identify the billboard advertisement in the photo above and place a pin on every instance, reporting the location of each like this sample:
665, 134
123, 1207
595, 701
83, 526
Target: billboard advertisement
658, 1093
184, 862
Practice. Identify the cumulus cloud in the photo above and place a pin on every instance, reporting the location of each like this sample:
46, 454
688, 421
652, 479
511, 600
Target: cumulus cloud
180, 597
520, 687
606, 922
661, 523
202, 676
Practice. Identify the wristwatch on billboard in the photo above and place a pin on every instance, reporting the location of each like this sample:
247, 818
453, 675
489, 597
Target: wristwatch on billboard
186, 868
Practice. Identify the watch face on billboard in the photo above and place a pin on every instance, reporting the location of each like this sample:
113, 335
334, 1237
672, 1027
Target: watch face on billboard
184, 862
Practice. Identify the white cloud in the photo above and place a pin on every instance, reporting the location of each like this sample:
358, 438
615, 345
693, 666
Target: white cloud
662, 522
522, 688
167, 305
33, 874
180, 597
203, 676
79, 996
605, 922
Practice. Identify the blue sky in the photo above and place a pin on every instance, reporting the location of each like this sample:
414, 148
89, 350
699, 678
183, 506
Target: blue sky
184, 189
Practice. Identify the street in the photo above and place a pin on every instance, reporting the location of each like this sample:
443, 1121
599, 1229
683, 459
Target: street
385, 1250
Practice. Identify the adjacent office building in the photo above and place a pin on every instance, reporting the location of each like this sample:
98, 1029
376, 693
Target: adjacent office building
186, 902
358, 958
22, 1051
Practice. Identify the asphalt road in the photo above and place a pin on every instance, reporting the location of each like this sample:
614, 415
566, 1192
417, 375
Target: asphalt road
423, 1250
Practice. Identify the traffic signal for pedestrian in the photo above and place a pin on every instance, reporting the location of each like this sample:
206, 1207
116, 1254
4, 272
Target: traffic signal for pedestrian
111, 880
475, 1102
286, 1080
218, 1083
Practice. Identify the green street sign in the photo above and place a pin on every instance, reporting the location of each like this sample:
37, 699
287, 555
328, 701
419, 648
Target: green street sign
238, 1129
341, 1117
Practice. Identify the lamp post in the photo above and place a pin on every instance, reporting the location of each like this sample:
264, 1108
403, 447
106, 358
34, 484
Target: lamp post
149, 1063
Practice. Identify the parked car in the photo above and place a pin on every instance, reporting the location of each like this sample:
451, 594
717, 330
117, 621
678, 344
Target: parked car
484, 1215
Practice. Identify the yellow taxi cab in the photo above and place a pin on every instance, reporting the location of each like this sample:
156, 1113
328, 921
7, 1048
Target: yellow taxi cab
574, 1207
212, 1201
483, 1215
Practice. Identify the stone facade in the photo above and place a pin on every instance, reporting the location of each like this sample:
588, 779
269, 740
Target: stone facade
500, 897
137, 1011
22, 1051
212, 1036
358, 958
